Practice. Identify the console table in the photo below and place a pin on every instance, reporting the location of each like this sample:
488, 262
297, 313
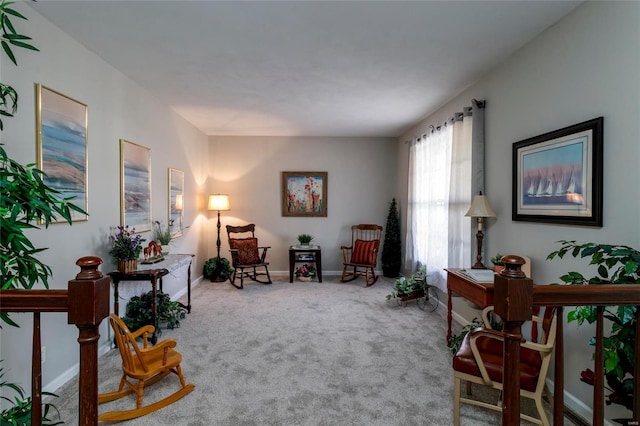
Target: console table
310, 254
480, 293
153, 272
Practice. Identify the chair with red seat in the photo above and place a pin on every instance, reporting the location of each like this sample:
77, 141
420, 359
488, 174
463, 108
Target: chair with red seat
360, 258
246, 255
480, 359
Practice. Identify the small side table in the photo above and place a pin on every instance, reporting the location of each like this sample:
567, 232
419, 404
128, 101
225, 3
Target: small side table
310, 254
151, 275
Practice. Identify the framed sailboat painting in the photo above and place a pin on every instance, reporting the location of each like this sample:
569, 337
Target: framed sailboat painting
557, 176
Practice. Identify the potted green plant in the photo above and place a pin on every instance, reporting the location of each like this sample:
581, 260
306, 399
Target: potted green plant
168, 312
25, 200
498, 264
217, 271
391, 259
616, 264
305, 272
162, 235
19, 413
304, 239
456, 339
408, 288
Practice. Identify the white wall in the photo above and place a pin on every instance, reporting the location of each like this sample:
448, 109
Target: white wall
361, 183
584, 67
118, 108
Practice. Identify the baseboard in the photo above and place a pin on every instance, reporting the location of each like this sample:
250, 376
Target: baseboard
72, 372
579, 412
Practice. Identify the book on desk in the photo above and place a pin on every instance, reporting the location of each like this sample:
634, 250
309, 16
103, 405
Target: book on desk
479, 275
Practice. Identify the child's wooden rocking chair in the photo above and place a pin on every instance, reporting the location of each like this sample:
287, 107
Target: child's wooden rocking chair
147, 365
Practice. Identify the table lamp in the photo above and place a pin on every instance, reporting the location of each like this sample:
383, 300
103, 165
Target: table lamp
480, 209
218, 202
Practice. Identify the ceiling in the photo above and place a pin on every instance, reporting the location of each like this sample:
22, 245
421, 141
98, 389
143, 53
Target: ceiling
303, 68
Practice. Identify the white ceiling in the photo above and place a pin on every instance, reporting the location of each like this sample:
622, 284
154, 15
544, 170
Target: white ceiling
303, 68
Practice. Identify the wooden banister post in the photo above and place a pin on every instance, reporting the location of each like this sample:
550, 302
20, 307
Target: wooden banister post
88, 306
514, 304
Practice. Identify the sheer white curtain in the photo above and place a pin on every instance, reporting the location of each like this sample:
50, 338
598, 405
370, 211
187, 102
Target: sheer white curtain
446, 168
428, 203
460, 192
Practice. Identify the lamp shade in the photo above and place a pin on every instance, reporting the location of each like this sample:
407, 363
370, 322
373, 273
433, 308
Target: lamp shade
218, 202
480, 207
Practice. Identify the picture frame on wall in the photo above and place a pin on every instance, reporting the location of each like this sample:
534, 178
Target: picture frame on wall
61, 145
135, 186
304, 194
176, 201
557, 176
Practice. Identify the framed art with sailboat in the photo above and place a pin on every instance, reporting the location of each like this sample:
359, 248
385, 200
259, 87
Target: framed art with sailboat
557, 176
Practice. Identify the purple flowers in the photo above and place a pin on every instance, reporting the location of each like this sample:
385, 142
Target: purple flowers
127, 245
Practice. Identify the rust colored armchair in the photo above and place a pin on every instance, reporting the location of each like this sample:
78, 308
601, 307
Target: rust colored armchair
246, 255
142, 367
360, 258
480, 359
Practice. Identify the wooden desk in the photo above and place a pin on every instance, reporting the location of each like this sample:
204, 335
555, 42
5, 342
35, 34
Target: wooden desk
153, 272
479, 293
151, 275
311, 254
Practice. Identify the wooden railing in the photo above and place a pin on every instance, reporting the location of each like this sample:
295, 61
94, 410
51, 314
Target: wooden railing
515, 297
87, 303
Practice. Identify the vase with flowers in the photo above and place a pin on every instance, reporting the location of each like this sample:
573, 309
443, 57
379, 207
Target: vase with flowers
305, 272
126, 249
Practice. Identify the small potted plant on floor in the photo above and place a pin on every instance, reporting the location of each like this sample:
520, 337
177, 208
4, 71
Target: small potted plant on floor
409, 288
217, 271
305, 272
168, 312
304, 239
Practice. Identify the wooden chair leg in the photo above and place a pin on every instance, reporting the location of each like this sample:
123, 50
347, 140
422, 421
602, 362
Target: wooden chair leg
456, 401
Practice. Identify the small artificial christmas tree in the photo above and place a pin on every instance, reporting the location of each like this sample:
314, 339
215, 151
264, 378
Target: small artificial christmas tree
391, 249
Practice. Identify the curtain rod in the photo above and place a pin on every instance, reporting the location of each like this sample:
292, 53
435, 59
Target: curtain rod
457, 116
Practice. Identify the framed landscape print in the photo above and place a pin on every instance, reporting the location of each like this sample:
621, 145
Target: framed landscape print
304, 194
135, 186
557, 177
176, 201
62, 146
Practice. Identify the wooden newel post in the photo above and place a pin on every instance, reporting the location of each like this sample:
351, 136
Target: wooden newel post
513, 299
88, 306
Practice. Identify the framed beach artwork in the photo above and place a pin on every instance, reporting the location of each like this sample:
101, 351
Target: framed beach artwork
135, 186
176, 201
304, 194
557, 176
62, 146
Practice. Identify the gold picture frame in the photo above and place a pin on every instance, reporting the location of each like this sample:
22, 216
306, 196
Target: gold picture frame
62, 147
135, 186
304, 194
176, 201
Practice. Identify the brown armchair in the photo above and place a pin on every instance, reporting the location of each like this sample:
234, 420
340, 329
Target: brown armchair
360, 258
246, 255
480, 359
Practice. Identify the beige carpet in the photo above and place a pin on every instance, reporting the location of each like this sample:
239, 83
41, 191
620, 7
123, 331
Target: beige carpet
301, 354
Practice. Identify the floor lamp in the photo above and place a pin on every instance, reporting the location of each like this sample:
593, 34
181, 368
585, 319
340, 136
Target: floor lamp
480, 209
218, 202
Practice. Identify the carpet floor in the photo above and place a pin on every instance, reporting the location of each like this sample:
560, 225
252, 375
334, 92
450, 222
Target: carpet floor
301, 354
